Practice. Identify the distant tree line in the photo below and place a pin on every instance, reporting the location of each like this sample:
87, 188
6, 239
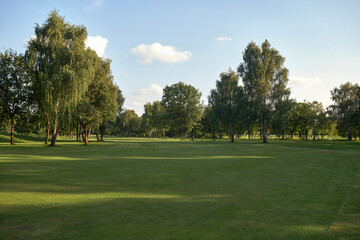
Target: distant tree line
59, 87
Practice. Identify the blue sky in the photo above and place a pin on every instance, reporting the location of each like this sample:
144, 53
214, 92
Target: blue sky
157, 43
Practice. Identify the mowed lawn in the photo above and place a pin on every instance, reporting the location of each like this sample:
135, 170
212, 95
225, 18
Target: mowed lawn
132, 188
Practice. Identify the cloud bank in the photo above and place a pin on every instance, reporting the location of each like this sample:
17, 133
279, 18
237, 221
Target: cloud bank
144, 95
147, 53
98, 44
304, 81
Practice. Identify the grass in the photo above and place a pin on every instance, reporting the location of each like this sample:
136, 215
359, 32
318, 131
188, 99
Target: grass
132, 188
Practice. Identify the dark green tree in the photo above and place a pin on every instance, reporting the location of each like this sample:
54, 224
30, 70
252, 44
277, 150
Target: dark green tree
224, 100
182, 107
61, 70
15, 87
264, 80
346, 100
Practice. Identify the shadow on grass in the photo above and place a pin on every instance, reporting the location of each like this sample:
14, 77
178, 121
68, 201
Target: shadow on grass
154, 217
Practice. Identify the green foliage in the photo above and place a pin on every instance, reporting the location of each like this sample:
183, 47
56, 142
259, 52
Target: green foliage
181, 103
61, 68
128, 123
264, 79
15, 85
225, 100
346, 102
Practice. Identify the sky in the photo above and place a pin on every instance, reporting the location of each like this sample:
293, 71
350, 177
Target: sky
157, 43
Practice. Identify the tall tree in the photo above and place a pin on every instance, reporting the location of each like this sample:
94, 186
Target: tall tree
15, 87
146, 123
98, 104
346, 100
60, 67
182, 107
109, 119
226, 93
212, 116
158, 120
264, 78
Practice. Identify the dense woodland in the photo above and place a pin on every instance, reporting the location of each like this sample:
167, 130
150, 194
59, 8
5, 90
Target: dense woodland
59, 87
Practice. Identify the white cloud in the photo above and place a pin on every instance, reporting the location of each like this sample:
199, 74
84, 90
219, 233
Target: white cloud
27, 40
95, 4
305, 81
169, 54
144, 95
223, 39
123, 73
98, 44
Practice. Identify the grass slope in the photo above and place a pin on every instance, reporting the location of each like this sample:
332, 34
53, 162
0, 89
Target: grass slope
129, 188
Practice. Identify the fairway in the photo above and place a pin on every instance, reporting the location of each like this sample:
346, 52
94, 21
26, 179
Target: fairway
134, 188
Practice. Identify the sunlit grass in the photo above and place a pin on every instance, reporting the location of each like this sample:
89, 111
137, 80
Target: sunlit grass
139, 188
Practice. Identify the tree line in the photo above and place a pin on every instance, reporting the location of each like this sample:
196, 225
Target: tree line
60, 87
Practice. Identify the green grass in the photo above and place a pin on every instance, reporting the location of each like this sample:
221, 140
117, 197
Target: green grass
132, 188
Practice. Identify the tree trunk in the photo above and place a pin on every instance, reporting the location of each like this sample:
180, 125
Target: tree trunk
263, 129
102, 137
249, 133
77, 131
86, 135
48, 129
54, 134
214, 132
97, 136
349, 132
306, 134
282, 135
232, 131
192, 135
292, 135
12, 129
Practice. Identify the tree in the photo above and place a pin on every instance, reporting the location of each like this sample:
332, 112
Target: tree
15, 87
305, 118
318, 117
212, 116
108, 122
182, 107
146, 123
61, 69
281, 116
128, 123
264, 79
158, 120
355, 117
346, 100
293, 124
225, 102
99, 104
